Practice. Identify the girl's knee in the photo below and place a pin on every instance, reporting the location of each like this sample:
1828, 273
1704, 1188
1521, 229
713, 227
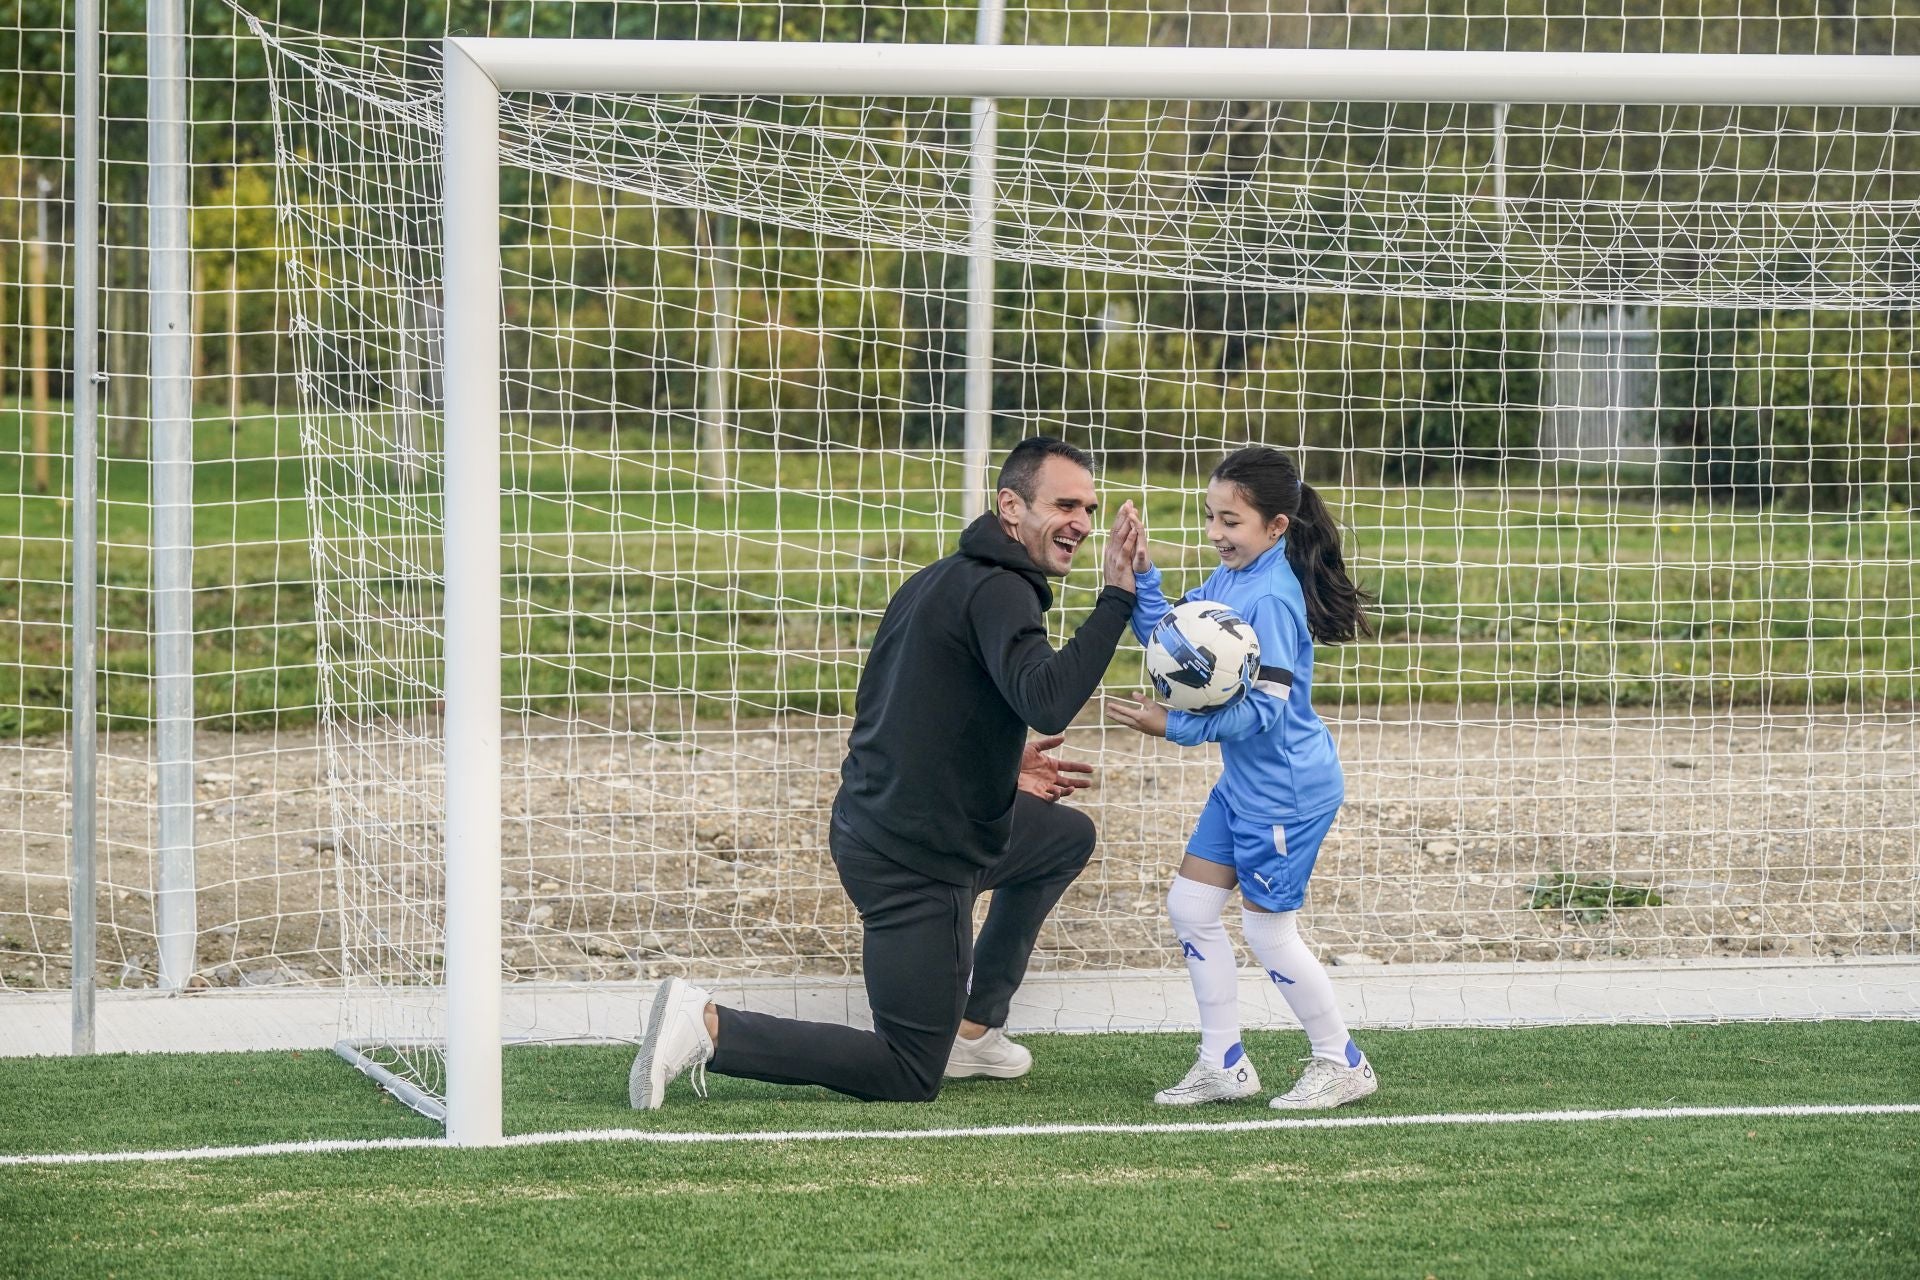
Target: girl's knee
1192, 905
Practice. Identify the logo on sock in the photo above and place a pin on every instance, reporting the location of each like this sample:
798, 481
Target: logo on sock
1279, 979
1188, 950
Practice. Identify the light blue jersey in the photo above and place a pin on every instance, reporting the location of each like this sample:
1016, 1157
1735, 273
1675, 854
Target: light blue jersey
1278, 758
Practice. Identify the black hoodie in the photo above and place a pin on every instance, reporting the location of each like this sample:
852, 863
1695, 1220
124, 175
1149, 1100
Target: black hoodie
959, 670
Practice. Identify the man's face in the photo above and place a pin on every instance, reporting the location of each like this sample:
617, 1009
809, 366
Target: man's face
1059, 518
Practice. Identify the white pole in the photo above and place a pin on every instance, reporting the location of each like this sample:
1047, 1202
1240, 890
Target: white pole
980, 264
1500, 110
170, 364
84, 730
1298, 75
471, 297
721, 236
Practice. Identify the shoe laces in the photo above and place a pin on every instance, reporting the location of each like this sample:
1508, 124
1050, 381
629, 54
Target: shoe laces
987, 1041
1318, 1069
696, 1063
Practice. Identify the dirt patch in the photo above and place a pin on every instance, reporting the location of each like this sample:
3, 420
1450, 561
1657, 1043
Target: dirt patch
635, 855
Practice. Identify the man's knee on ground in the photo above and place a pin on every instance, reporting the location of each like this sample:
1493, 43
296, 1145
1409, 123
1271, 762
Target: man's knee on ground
919, 1064
920, 1091
912, 1087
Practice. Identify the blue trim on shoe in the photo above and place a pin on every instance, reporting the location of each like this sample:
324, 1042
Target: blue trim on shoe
1353, 1053
1233, 1055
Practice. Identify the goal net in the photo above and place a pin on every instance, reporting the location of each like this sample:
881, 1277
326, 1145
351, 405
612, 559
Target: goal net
1615, 404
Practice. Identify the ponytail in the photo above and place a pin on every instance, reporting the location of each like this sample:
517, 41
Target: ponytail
1336, 608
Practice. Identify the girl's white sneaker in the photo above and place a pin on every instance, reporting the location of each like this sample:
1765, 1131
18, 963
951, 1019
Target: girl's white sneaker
1212, 1084
1327, 1084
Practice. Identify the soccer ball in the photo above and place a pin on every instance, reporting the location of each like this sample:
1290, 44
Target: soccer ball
1202, 656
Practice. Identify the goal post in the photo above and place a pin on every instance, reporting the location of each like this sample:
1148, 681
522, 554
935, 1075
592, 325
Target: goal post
478, 71
471, 288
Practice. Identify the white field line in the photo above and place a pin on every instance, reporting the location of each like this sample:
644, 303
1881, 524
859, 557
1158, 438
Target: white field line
329, 1146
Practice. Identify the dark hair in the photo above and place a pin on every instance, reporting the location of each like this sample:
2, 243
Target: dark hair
1336, 608
1025, 460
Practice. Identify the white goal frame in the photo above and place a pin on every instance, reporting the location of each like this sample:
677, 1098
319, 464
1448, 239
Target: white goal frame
478, 71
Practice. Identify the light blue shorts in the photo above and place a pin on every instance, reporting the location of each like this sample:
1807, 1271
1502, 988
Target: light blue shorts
1272, 860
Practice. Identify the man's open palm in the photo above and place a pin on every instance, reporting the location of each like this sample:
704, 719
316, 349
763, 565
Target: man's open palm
1051, 779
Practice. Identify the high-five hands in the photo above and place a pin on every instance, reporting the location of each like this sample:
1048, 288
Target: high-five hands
1129, 540
1050, 778
1139, 713
1125, 545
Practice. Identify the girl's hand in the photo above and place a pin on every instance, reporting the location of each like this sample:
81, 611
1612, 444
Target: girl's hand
1142, 558
1140, 714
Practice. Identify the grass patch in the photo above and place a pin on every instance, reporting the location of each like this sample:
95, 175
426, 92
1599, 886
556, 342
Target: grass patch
1590, 901
1700, 1197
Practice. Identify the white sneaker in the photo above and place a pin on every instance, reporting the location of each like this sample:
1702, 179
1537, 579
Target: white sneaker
1212, 1084
1327, 1084
676, 1039
991, 1055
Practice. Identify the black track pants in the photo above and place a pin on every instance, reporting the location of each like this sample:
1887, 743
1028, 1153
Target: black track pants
918, 952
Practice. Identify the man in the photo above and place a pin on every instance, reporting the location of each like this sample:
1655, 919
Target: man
935, 808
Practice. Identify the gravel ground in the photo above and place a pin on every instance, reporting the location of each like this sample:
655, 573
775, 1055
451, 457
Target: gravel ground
628, 855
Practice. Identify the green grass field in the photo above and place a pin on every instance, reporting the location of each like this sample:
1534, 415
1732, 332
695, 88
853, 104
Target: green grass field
1547, 596
1801, 1196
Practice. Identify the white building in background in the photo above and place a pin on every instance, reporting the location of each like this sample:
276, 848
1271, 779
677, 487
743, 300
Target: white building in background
1600, 385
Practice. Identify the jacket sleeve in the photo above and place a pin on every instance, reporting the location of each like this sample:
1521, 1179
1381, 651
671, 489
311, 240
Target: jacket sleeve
1045, 687
1150, 603
1265, 703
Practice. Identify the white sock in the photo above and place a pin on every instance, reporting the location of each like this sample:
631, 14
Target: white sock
1275, 939
1195, 911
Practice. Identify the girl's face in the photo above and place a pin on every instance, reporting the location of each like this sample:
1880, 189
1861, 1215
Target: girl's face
1235, 528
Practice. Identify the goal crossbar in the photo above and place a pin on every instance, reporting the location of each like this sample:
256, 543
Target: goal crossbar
1058, 71
477, 71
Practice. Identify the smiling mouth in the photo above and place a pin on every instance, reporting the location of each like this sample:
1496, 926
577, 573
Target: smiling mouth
1064, 545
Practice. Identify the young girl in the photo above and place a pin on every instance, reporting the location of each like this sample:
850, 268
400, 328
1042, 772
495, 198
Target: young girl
1280, 783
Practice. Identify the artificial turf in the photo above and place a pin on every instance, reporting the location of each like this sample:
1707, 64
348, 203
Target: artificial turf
1723, 1196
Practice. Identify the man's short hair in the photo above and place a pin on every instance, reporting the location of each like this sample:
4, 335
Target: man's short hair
1024, 462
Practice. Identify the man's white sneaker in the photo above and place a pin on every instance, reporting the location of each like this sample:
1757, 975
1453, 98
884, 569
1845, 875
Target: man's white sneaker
991, 1055
1212, 1084
676, 1039
1327, 1084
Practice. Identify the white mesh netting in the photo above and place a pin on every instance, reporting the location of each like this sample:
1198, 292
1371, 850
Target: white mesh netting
1616, 404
